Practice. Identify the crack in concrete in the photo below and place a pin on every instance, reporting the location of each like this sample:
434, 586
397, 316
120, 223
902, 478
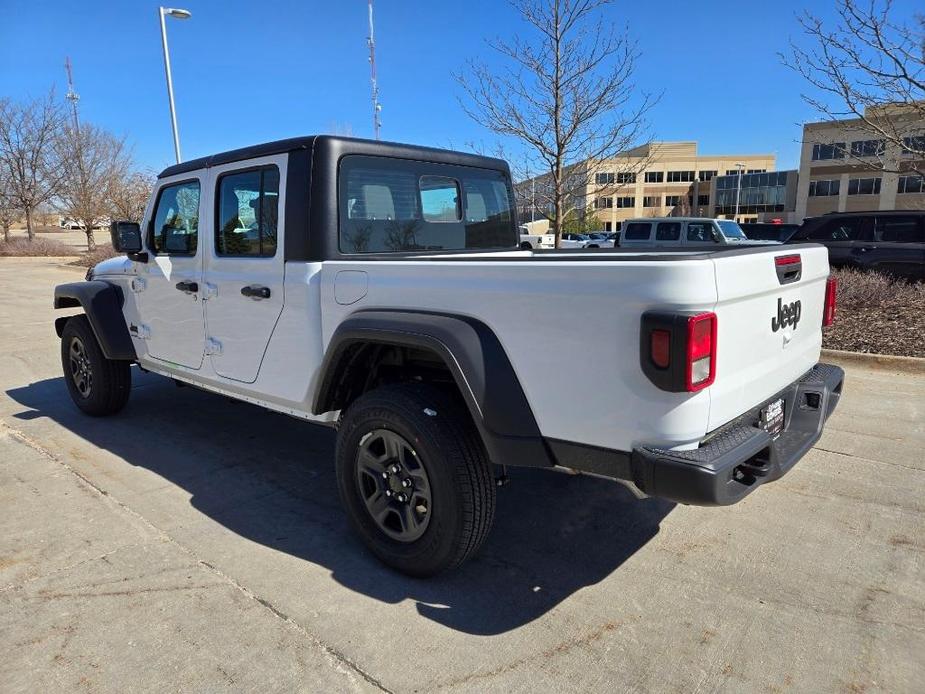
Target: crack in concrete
338, 660
868, 460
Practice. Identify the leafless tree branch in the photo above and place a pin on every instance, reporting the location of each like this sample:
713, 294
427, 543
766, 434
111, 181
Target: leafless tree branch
566, 92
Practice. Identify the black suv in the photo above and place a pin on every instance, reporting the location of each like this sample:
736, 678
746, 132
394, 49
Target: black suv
892, 242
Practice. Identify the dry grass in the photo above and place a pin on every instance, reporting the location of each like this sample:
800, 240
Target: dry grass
21, 247
877, 314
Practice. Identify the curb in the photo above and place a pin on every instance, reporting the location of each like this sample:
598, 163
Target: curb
914, 365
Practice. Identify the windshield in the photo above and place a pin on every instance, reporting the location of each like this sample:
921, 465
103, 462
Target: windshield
731, 230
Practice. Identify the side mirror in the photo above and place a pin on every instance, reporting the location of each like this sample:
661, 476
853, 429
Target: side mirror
717, 237
126, 236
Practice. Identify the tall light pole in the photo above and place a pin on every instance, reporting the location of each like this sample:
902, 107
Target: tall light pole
176, 14
371, 44
739, 166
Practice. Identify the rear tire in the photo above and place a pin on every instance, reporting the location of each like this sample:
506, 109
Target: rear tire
414, 478
98, 386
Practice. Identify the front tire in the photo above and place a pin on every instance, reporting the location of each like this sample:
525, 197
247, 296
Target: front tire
98, 386
414, 478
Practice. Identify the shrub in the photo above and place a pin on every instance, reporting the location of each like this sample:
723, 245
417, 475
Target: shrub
23, 247
103, 251
877, 313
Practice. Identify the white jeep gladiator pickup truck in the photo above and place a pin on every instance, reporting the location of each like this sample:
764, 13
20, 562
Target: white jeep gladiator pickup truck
379, 288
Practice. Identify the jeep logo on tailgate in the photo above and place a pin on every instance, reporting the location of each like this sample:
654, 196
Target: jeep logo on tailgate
787, 314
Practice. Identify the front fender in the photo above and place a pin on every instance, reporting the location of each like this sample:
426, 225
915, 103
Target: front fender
102, 302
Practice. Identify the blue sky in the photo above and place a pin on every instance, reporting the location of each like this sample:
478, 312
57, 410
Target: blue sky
247, 72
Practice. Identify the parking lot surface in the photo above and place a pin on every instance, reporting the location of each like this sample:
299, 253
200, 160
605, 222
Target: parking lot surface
193, 543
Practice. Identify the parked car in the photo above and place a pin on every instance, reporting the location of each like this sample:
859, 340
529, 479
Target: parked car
760, 231
886, 241
380, 296
601, 239
683, 231
530, 241
569, 240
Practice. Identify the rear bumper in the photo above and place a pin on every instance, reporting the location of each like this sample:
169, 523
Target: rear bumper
739, 457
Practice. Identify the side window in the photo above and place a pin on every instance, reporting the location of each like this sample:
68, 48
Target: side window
248, 213
668, 231
175, 224
848, 229
700, 232
440, 199
388, 205
637, 231
899, 230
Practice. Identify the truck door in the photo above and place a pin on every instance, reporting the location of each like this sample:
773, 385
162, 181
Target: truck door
244, 267
168, 293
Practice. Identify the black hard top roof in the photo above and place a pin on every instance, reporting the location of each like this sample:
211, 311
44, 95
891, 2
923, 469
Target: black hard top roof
343, 144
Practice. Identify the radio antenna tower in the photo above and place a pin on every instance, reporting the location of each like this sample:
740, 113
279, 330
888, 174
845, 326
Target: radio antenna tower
371, 42
72, 95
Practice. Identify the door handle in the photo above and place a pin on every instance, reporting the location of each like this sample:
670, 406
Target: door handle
256, 291
188, 286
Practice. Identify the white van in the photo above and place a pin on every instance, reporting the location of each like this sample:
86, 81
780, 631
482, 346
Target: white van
684, 231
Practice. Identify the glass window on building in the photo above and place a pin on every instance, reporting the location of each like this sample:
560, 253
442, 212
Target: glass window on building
914, 144
836, 150
603, 179
625, 202
753, 171
911, 184
824, 188
626, 177
672, 200
655, 176
680, 176
864, 186
703, 200
652, 201
603, 203
867, 148
707, 175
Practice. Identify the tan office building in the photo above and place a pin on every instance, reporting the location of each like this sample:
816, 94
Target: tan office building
842, 162
655, 180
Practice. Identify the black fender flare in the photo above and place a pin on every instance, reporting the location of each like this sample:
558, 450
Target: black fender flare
102, 302
475, 358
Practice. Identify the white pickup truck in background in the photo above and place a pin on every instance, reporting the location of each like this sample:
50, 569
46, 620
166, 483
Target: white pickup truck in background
380, 288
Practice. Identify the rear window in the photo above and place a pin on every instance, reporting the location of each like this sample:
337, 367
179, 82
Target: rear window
389, 205
637, 231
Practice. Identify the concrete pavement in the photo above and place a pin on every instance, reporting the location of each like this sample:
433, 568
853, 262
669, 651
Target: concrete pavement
192, 543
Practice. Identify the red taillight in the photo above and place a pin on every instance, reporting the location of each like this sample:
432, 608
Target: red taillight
828, 311
781, 260
660, 348
700, 369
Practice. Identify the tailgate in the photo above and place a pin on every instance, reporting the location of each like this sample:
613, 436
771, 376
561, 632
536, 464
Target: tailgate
756, 355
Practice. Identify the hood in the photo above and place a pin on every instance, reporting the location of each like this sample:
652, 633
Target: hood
120, 265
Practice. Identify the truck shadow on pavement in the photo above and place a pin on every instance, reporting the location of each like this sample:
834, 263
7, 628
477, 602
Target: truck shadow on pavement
270, 479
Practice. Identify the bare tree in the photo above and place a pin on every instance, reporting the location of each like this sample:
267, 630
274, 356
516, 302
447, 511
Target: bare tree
93, 162
566, 93
129, 196
27, 153
9, 213
869, 68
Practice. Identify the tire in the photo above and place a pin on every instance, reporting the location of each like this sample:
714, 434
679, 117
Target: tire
98, 386
526, 246
444, 445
